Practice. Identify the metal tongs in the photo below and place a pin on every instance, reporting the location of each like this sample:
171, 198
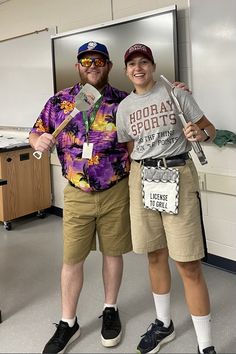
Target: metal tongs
84, 100
195, 144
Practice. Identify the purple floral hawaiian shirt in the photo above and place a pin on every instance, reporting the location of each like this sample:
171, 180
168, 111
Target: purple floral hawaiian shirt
109, 160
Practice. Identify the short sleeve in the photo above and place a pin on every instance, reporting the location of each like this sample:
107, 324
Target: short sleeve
121, 124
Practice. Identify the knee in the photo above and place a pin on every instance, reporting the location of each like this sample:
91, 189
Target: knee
72, 268
190, 270
158, 256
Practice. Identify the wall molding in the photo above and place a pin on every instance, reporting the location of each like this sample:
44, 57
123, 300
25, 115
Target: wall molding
55, 211
221, 263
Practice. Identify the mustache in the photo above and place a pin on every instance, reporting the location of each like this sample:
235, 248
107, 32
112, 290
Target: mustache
99, 84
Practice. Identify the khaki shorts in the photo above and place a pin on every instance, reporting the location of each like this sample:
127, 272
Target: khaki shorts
105, 213
181, 233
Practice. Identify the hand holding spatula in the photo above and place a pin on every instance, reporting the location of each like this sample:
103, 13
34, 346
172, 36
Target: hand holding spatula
84, 100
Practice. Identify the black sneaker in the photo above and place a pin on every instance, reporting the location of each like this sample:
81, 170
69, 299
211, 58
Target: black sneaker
63, 336
208, 350
111, 327
155, 336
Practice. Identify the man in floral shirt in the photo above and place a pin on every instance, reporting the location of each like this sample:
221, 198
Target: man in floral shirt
96, 198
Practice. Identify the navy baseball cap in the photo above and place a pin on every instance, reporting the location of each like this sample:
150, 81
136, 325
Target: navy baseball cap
139, 49
93, 47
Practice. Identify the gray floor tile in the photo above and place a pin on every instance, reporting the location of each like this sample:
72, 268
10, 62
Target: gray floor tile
30, 263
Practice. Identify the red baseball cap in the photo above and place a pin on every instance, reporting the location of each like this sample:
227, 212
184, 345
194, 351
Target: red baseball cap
139, 49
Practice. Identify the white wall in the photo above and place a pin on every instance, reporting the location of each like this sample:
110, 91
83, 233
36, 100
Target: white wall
18, 17
218, 195
74, 14
213, 44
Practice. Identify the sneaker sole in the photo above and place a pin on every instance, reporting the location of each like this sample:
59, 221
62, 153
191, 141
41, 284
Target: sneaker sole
73, 338
164, 341
111, 342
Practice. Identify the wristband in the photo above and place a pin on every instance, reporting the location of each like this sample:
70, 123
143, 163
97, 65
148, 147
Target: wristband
207, 135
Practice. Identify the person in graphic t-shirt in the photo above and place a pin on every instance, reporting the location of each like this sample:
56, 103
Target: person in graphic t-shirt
148, 122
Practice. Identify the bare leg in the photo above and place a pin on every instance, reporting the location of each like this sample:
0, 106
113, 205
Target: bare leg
159, 271
71, 285
195, 288
112, 275
197, 299
162, 330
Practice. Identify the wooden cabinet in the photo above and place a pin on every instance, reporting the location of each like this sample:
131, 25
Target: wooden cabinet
28, 187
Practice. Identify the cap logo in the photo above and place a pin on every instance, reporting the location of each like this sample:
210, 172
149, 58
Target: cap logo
140, 47
92, 45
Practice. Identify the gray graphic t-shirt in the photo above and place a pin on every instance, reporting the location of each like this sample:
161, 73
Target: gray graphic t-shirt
151, 121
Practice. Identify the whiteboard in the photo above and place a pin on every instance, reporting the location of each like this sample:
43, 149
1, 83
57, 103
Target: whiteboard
157, 29
26, 79
213, 35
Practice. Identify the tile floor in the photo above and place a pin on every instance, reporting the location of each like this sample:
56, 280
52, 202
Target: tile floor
30, 263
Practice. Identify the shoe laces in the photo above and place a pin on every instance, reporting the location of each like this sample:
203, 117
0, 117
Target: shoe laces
108, 318
60, 332
151, 329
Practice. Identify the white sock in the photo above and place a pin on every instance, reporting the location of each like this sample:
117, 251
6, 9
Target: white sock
202, 325
162, 305
70, 321
110, 305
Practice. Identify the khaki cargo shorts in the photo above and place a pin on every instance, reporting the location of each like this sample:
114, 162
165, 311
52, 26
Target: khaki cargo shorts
104, 213
181, 233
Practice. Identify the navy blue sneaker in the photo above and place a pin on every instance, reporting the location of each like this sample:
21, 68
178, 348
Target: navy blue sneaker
155, 337
63, 336
208, 350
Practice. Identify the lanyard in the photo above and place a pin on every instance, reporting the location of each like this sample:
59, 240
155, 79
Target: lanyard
88, 121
